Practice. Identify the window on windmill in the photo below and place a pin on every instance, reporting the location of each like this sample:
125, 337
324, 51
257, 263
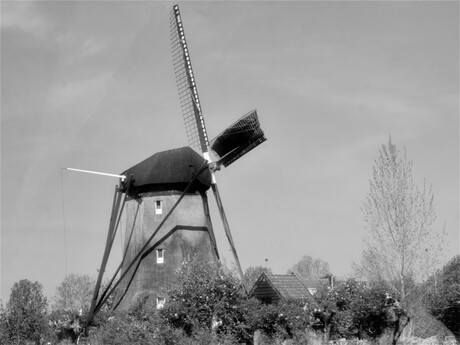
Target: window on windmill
160, 302
158, 207
160, 256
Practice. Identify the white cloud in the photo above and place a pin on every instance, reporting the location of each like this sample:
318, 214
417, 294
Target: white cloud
91, 47
75, 92
75, 48
22, 14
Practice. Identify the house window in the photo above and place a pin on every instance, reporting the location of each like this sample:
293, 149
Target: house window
158, 207
160, 302
160, 256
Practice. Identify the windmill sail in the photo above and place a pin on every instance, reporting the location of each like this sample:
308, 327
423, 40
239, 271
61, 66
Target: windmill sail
186, 86
191, 110
238, 139
231, 144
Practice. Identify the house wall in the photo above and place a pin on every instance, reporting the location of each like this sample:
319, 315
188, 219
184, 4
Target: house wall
187, 232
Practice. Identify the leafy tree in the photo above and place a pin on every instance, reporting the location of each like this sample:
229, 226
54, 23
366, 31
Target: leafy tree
398, 216
4, 336
205, 296
355, 309
310, 268
74, 293
444, 301
26, 312
285, 320
72, 302
252, 274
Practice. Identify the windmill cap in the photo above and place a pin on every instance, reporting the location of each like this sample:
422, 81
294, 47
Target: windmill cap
169, 170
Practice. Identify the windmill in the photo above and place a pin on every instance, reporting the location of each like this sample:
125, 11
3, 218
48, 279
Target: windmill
164, 197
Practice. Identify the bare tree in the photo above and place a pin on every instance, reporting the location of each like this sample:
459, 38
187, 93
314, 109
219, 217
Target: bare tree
400, 243
310, 268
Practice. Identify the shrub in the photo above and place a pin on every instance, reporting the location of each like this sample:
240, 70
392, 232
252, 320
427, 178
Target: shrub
65, 325
140, 325
354, 309
282, 320
444, 302
207, 297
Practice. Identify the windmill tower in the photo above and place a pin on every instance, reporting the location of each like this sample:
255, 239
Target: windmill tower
165, 199
159, 182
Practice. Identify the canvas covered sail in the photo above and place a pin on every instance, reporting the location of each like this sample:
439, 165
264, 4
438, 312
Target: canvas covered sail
238, 139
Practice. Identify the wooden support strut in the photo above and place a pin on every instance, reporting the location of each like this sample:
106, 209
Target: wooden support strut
212, 236
105, 296
113, 225
115, 206
227, 230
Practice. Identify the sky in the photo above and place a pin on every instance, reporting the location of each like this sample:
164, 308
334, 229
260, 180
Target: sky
90, 85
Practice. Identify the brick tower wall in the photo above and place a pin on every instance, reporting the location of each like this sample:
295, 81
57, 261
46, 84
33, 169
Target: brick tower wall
187, 232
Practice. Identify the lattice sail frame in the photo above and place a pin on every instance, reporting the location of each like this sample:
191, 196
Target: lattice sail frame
186, 86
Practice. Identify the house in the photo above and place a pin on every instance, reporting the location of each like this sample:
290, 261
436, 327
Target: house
271, 288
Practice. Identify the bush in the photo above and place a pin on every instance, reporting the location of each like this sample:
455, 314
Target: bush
355, 310
282, 320
65, 325
124, 329
206, 297
444, 300
144, 326
208, 300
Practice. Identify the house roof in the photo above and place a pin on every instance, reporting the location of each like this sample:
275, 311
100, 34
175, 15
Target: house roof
287, 286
